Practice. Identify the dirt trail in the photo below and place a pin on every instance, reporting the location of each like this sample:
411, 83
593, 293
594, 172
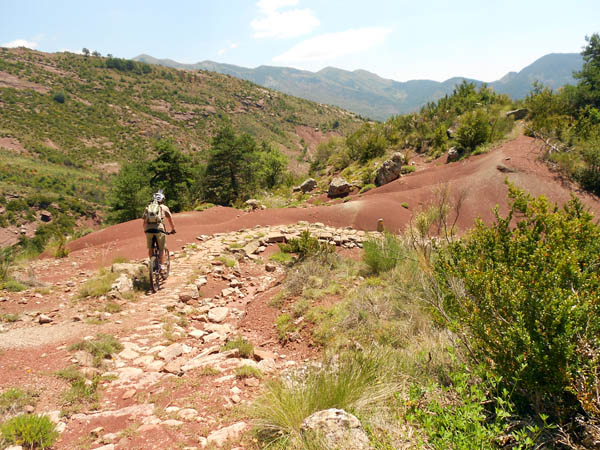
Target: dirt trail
172, 384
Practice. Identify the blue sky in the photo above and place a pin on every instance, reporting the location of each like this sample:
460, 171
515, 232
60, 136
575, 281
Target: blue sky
402, 40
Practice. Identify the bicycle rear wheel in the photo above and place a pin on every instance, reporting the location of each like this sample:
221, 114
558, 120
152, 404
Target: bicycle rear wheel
167, 265
154, 274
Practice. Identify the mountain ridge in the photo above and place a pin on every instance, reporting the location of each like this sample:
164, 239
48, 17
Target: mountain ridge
373, 96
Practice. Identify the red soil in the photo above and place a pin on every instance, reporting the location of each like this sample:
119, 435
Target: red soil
479, 176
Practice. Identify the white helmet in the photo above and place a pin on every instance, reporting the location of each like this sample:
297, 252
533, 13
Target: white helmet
159, 196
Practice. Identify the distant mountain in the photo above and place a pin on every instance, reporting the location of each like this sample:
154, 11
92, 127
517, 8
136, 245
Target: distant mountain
378, 98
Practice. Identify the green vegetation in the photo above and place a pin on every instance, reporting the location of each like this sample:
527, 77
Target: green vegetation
468, 119
99, 285
486, 341
76, 120
307, 246
82, 394
100, 348
29, 430
245, 347
521, 297
568, 121
355, 382
248, 372
14, 400
385, 254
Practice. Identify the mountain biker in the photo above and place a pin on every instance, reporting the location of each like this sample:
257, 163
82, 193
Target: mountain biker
158, 228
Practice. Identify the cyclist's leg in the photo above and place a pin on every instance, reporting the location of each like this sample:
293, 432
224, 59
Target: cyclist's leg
160, 238
149, 237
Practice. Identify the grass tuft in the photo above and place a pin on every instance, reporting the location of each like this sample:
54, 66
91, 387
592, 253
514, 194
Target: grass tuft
99, 285
353, 382
29, 430
100, 348
244, 346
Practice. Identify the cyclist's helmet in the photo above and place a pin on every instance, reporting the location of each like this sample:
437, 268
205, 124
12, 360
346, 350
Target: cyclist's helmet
159, 196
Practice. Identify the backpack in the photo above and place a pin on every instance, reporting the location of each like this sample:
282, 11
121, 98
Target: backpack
153, 213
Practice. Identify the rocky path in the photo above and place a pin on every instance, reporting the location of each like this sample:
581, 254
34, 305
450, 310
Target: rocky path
174, 384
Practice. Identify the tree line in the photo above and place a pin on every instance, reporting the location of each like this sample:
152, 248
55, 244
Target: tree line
235, 168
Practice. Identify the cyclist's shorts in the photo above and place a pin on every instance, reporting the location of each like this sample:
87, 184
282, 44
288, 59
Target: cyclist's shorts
160, 238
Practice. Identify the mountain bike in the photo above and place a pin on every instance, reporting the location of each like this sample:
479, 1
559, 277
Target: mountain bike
158, 272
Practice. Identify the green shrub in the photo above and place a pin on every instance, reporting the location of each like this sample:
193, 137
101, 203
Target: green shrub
59, 97
307, 246
473, 131
7, 317
367, 188
13, 286
30, 430
466, 415
244, 346
408, 169
381, 255
522, 297
285, 327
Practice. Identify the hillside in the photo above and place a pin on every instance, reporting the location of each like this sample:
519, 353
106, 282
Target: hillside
68, 122
371, 96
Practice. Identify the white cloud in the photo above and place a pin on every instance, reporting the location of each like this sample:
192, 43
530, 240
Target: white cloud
332, 45
221, 51
20, 43
283, 24
234, 45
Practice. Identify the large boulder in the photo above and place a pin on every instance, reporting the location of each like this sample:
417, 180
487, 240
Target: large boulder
132, 269
453, 155
122, 284
337, 429
390, 170
338, 188
253, 204
308, 185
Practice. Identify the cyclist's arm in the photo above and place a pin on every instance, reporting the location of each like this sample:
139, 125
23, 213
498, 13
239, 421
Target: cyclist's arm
170, 219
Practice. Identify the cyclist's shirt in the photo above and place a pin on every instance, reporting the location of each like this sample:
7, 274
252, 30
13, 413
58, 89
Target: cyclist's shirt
157, 226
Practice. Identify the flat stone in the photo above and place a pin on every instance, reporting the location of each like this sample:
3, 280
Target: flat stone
156, 366
275, 237
172, 423
261, 353
106, 447
171, 352
218, 314
143, 410
83, 358
128, 373
128, 354
220, 437
197, 334
187, 414
128, 394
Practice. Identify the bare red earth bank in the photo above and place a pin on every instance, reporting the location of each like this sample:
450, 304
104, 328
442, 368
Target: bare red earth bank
482, 176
